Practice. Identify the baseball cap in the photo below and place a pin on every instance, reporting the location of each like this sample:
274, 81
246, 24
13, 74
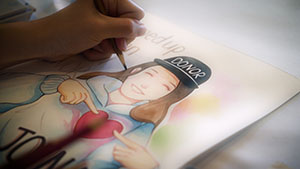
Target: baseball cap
189, 70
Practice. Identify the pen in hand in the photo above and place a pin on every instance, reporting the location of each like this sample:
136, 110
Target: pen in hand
100, 7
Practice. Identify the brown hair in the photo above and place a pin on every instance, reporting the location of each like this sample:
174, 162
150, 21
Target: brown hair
154, 111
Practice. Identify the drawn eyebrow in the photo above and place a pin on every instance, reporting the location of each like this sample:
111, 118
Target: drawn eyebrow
149, 74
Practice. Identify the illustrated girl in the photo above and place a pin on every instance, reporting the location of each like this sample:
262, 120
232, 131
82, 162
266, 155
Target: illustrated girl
133, 102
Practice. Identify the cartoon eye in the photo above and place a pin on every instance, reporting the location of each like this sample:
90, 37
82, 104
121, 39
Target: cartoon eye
167, 87
150, 74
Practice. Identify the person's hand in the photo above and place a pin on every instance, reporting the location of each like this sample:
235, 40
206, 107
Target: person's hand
72, 92
80, 27
123, 9
134, 156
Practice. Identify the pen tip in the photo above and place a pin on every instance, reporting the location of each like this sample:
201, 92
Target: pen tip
125, 67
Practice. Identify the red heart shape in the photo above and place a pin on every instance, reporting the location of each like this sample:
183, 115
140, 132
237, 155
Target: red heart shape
104, 131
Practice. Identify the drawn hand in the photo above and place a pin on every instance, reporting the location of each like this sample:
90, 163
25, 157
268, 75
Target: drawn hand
72, 92
134, 156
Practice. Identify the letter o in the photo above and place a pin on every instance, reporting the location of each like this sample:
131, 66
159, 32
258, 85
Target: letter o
177, 60
182, 63
194, 71
13, 150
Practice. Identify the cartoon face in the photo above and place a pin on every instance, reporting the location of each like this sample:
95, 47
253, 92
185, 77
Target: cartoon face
149, 84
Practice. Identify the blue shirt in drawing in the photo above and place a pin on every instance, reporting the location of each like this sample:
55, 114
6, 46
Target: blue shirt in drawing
18, 89
39, 114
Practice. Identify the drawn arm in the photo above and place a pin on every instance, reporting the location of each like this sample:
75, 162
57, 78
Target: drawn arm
17, 89
51, 83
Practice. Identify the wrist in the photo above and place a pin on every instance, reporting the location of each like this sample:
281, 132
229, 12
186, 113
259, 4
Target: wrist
14, 42
23, 41
43, 39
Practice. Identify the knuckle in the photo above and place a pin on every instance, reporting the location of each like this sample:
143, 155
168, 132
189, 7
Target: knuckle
129, 26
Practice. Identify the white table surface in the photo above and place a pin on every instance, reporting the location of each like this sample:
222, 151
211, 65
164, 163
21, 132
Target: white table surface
268, 30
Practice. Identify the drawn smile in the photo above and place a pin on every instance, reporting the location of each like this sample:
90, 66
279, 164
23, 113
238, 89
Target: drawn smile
136, 89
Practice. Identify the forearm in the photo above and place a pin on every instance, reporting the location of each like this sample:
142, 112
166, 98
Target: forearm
72, 30
50, 38
21, 41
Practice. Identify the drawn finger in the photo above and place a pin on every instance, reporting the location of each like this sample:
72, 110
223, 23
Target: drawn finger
66, 99
118, 148
88, 101
126, 141
81, 98
62, 99
76, 98
121, 153
119, 158
70, 100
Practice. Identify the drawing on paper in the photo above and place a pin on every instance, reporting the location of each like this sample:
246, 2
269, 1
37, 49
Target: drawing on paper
37, 108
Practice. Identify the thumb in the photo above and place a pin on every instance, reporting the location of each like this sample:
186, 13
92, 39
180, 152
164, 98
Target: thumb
88, 101
123, 28
62, 99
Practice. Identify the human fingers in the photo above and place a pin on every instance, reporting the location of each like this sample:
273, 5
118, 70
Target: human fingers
123, 8
99, 52
104, 50
88, 101
121, 43
127, 142
122, 28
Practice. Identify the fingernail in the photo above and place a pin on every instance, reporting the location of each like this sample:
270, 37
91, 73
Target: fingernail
141, 28
121, 43
138, 22
124, 45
